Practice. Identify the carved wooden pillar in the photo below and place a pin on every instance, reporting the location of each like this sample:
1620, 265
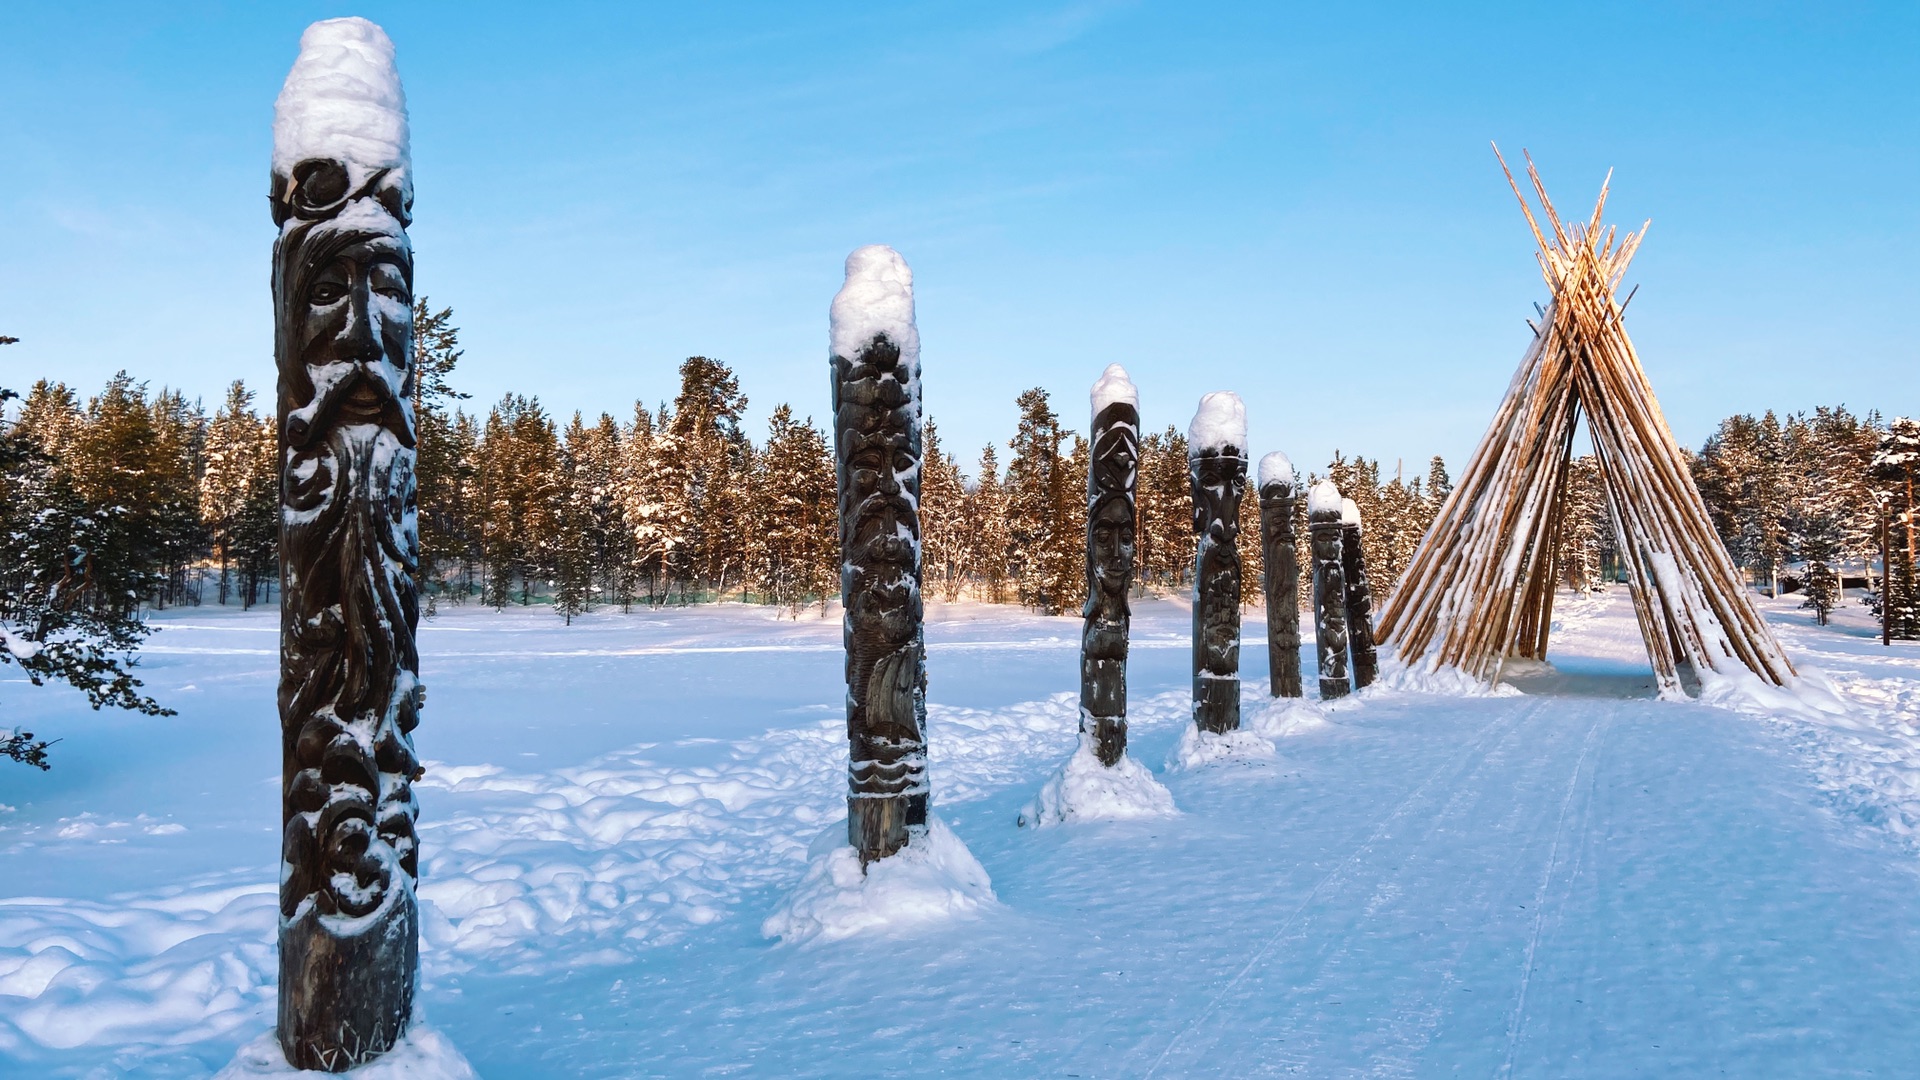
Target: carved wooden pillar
1353, 565
876, 436
350, 693
1282, 560
1217, 468
1111, 477
1329, 588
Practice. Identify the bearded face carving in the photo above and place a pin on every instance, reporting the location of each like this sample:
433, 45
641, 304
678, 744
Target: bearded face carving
350, 694
1110, 554
877, 443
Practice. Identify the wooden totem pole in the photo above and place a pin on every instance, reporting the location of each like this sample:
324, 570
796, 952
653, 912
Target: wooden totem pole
876, 434
1217, 469
1353, 566
1329, 588
350, 693
1278, 498
1111, 476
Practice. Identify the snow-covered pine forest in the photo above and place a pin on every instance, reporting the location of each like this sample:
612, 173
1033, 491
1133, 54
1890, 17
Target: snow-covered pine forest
678, 502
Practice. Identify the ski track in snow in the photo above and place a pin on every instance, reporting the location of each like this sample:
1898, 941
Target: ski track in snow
542, 873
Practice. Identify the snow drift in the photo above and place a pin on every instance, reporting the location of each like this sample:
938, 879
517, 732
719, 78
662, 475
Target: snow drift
932, 879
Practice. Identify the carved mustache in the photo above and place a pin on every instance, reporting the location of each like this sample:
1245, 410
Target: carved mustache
361, 392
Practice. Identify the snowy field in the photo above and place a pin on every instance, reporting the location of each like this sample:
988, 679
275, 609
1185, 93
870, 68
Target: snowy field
1564, 879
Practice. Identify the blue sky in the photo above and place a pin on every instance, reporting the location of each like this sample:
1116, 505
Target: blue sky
1296, 202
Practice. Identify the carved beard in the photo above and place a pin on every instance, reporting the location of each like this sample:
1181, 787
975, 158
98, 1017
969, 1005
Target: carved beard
349, 691
349, 526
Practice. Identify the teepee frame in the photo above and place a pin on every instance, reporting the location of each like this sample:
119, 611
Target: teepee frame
1480, 587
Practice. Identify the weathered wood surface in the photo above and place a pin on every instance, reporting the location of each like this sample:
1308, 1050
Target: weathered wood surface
1219, 478
876, 409
1353, 564
1280, 552
1329, 600
350, 694
1111, 480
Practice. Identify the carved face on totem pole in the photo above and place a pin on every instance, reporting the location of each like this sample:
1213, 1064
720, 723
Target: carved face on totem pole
349, 690
1110, 542
1220, 479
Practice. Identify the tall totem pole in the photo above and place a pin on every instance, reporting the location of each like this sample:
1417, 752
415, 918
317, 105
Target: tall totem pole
1217, 469
350, 693
1329, 588
1278, 498
1353, 565
1111, 475
876, 435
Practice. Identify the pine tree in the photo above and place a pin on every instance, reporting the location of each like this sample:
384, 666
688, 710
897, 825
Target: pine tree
570, 548
989, 539
1895, 467
800, 560
1034, 497
643, 509
944, 521
1585, 530
227, 480
1164, 504
68, 609
443, 465
1439, 484
520, 495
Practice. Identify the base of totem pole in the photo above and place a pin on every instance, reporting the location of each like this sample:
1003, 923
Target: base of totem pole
346, 985
1216, 703
877, 827
1109, 737
422, 1054
1333, 688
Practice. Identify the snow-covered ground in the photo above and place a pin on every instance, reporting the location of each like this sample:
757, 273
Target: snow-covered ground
1574, 880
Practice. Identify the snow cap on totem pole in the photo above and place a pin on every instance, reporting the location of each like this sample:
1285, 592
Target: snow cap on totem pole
1324, 499
876, 299
1114, 386
1275, 468
1220, 423
343, 103
1349, 512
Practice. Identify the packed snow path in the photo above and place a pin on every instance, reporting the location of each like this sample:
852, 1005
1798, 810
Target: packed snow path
1577, 881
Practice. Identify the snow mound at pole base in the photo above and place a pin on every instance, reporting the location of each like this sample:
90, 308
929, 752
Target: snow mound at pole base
422, 1054
932, 879
1085, 790
1200, 749
1277, 718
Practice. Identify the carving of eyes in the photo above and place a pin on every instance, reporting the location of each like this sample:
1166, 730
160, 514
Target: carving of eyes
902, 462
327, 291
387, 280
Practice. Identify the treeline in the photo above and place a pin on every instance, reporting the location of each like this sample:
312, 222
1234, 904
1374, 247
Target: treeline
672, 504
1798, 500
677, 503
